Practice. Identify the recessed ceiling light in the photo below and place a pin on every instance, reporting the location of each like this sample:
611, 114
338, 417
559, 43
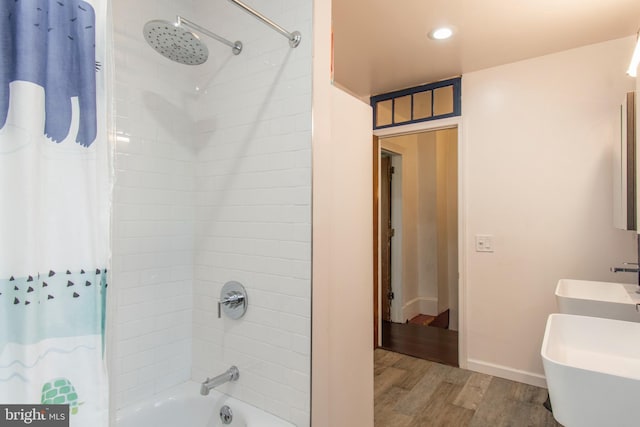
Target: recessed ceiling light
441, 33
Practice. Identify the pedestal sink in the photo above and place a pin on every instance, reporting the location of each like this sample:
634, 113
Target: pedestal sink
592, 366
599, 299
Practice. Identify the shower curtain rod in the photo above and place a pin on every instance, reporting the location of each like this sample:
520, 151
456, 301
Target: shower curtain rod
294, 37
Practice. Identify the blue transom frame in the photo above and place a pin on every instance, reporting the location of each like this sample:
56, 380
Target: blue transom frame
457, 102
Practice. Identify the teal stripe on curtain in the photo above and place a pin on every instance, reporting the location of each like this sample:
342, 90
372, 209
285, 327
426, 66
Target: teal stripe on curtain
52, 305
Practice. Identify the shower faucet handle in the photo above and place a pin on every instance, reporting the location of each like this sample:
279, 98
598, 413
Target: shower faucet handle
233, 300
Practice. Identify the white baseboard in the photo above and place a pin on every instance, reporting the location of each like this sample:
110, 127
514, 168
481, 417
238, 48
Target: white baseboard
410, 310
507, 373
420, 306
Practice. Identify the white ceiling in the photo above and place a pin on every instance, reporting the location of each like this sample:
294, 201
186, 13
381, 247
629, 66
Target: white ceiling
382, 45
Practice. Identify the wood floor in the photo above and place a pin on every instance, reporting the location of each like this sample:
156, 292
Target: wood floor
426, 342
439, 321
411, 392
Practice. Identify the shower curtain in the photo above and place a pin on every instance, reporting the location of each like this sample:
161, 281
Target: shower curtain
55, 186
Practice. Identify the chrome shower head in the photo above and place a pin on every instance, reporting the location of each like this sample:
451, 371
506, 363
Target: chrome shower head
175, 42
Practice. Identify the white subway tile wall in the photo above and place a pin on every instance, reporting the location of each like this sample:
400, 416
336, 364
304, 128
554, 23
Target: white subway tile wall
154, 210
253, 207
213, 183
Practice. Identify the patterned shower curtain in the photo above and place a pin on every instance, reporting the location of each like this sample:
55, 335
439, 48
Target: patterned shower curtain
54, 206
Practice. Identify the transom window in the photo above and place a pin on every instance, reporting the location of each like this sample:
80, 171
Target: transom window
428, 102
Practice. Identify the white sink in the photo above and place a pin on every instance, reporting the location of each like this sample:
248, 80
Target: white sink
592, 367
599, 299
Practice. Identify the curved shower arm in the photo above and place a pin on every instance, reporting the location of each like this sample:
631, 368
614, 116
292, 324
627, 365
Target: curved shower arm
294, 37
236, 47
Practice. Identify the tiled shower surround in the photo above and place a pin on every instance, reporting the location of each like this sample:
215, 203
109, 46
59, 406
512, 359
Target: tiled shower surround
213, 183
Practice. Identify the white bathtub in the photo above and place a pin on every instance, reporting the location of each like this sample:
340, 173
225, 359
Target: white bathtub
183, 406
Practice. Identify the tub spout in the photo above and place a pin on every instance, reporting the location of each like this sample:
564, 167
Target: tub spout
231, 374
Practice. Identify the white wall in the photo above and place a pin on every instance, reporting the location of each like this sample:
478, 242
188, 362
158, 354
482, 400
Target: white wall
342, 388
253, 206
406, 239
428, 257
447, 221
538, 136
343, 268
150, 325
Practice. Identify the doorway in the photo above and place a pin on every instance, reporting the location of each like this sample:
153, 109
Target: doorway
418, 244
386, 233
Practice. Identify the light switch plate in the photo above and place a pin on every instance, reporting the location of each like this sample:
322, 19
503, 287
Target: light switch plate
484, 243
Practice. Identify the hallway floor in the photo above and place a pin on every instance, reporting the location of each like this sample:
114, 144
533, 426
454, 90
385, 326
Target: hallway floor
426, 342
411, 392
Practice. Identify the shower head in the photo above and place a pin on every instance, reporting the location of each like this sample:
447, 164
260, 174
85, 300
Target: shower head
175, 42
